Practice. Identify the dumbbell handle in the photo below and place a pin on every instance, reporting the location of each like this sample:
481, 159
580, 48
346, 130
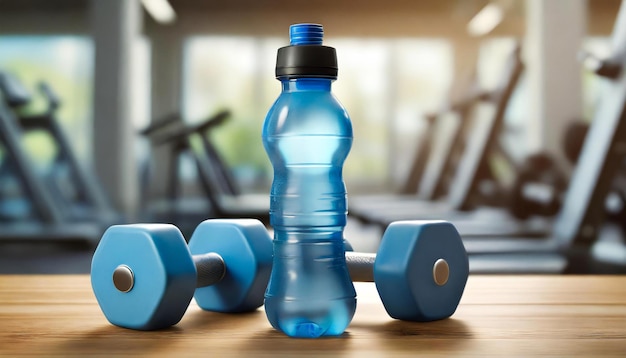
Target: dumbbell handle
361, 266
210, 269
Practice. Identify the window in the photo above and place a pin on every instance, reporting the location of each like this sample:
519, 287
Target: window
140, 93
421, 76
223, 73
385, 84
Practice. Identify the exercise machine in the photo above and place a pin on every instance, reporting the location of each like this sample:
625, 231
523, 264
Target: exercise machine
473, 173
29, 211
221, 197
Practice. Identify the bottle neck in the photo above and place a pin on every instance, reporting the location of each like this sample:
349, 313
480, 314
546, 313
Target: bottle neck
306, 84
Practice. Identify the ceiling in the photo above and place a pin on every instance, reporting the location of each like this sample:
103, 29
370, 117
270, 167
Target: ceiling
425, 6
435, 10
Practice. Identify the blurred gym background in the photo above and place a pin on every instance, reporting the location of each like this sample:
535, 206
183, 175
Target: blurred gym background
140, 87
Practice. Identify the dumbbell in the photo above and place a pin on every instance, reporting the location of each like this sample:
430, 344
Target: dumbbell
420, 270
144, 275
537, 188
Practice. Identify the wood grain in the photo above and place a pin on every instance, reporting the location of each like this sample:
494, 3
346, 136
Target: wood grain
498, 316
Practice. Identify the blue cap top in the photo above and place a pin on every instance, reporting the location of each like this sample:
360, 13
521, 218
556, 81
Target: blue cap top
306, 34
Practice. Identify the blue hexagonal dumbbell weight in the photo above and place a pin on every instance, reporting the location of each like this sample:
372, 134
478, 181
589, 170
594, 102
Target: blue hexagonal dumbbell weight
420, 270
144, 275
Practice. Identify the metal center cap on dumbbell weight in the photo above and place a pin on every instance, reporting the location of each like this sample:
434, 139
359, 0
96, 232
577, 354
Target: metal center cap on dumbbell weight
441, 272
123, 278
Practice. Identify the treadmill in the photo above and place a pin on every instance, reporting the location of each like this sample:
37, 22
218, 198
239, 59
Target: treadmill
444, 142
221, 196
579, 226
76, 191
431, 183
472, 174
28, 210
580, 221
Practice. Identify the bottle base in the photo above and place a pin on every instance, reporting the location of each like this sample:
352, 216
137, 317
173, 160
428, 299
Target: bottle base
308, 330
329, 322
305, 329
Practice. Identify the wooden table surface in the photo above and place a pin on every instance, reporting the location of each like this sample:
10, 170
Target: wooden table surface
498, 316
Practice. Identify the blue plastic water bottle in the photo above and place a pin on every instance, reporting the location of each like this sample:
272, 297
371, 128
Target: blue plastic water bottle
307, 135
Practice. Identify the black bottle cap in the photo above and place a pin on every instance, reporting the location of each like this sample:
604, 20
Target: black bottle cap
306, 61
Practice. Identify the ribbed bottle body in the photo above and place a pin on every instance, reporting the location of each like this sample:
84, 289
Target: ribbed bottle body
307, 135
